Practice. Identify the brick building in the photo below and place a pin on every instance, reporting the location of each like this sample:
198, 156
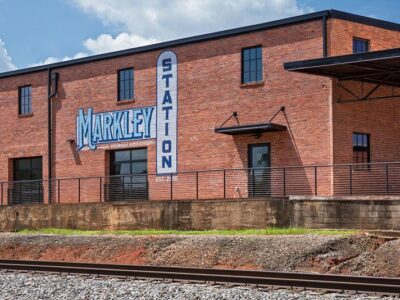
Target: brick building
272, 95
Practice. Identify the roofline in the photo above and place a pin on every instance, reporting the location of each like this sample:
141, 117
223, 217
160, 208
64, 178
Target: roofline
342, 59
210, 36
173, 43
337, 14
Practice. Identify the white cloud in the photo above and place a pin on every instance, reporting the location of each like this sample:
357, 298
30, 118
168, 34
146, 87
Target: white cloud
5, 60
106, 43
143, 22
52, 60
163, 20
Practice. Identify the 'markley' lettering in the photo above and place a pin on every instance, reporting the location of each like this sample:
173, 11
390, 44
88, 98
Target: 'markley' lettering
114, 126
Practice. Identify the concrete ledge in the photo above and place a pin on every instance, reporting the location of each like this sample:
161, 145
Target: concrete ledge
187, 215
309, 212
343, 198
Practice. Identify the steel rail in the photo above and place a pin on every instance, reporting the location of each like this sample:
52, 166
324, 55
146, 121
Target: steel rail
360, 284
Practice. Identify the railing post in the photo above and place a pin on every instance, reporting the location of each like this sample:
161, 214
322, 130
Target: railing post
387, 178
101, 188
197, 185
351, 179
20, 193
315, 181
123, 188
252, 183
171, 186
224, 184
58, 190
79, 190
284, 182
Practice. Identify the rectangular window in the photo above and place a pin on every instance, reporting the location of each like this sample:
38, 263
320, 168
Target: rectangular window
252, 69
25, 100
27, 168
361, 148
126, 162
128, 170
28, 185
125, 84
360, 45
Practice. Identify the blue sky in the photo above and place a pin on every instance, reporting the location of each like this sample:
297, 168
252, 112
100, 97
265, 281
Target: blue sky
46, 31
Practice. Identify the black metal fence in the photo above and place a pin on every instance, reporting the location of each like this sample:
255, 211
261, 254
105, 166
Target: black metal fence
339, 180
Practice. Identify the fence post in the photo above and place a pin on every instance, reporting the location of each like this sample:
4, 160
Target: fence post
351, 179
315, 181
224, 184
170, 178
20, 193
284, 182
58, 190
2, 194
101, 188
123, 188
252, 183
387, 178
197, 185
79, 190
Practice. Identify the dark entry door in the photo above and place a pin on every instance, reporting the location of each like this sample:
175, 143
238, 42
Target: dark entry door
28, 185
259, 170
128, 172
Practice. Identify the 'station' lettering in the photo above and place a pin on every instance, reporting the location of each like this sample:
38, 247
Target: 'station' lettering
114, 126
167, 94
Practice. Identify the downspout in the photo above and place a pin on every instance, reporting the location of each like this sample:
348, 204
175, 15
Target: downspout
52, 78
324, 36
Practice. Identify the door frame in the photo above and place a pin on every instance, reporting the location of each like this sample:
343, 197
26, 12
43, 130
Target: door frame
250, 156
250, 188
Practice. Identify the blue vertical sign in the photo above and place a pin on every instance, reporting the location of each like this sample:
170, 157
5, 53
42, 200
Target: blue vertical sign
167, 112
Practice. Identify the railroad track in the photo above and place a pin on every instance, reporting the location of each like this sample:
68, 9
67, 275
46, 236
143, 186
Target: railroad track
341, 283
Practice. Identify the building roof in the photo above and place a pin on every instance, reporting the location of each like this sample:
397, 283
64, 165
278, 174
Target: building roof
212, 36
381, 67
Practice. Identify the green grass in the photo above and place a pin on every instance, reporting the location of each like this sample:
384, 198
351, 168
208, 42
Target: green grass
267, 231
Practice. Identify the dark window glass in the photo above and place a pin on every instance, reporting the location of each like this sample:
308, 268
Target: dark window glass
252, 64
28, 168
133, 161
360, 45
131, 166
25, 100
361, 148
125, 84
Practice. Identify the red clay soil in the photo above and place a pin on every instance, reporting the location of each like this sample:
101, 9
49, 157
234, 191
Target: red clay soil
357, 254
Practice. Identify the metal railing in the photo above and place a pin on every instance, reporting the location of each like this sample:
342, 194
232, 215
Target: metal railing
340, 180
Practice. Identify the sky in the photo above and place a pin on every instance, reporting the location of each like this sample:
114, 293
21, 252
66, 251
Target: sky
36, 32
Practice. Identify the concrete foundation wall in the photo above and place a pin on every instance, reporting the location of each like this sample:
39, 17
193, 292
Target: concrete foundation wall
196, 215
348, 212
357, 213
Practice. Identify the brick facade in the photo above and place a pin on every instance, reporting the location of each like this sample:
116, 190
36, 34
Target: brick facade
210, 89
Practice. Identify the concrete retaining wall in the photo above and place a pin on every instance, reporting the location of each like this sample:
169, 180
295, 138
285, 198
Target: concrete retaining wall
367, 212
358, 213
197, 215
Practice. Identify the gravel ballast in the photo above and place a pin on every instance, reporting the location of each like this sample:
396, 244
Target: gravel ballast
301, 253
41, 286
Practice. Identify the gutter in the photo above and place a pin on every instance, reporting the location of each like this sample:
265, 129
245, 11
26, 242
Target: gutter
52, 80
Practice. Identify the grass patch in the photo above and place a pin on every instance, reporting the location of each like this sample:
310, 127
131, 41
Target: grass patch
266, 231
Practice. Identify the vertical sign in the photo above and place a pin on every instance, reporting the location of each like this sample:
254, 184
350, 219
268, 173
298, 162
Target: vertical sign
167, 112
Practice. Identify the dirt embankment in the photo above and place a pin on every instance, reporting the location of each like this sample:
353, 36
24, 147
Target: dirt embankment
357, 254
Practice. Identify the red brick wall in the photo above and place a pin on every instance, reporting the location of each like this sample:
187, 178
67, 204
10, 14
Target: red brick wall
341, 33
380, 118
209, 90
319, 128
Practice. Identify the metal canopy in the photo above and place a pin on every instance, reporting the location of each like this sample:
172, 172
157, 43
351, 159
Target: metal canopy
379, 67
255, 129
